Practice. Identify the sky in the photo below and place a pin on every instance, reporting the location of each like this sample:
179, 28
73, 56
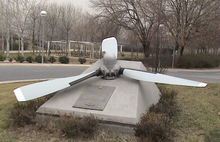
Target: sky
82, 3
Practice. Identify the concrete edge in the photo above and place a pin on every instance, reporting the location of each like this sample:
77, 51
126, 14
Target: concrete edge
17, 81
39, 64
194, 70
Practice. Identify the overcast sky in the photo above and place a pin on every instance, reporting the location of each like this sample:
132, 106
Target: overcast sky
81, 3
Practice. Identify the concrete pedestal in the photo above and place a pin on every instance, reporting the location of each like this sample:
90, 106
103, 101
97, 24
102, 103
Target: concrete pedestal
130, 99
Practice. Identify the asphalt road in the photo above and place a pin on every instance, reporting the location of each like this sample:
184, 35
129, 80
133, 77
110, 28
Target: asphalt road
211, 75
16, 72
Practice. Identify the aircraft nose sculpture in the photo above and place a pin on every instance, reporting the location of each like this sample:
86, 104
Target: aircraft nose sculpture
109, 70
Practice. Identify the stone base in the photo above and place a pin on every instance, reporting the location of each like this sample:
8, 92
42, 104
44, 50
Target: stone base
129, 100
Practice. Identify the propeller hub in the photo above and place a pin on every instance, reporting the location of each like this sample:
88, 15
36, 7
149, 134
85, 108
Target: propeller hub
109, 60
110, 70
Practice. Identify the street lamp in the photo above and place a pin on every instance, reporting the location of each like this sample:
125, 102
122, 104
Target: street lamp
160, 44
43, 14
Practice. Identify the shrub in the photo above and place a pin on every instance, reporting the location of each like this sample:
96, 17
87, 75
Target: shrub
164, 63
2, 57
24, 113
166, 104
155, 124
74, 126
198, 61
29, 59
19, 58
10, 60
52, 59
153, 127
38, 59
82, 60
64, 59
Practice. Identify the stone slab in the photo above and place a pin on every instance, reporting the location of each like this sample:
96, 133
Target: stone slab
94, 97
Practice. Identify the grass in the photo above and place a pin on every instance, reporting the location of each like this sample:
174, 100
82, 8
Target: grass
7, 99
198, 118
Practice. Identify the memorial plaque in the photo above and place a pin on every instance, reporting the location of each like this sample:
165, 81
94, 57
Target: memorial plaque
94, 97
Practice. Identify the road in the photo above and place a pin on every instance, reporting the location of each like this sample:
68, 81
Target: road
212, 75
15, 72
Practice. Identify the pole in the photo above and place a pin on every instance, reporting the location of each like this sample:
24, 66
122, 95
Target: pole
173, 56
43, 40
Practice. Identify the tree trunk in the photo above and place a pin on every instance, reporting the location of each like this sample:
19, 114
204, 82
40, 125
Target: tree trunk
7, 45
12, 43
132, 51
19, 43
3, 43
22, 46
146, 47
33, 39
181, 50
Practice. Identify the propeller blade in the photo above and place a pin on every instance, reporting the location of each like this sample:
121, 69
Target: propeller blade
40, 89
159, 78
110, 45
96, 73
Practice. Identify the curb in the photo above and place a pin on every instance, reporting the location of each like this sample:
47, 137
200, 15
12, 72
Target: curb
45, 64
17, 81
194, 70
29, 80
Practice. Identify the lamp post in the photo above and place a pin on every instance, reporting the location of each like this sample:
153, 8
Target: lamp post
160, 32
43, 14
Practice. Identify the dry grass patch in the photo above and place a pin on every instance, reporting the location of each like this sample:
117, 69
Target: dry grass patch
198, 116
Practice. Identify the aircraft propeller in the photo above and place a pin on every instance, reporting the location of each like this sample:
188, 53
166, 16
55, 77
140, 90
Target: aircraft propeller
109, 70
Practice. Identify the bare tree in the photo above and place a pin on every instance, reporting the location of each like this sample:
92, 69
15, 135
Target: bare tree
34, 20
2, 23
52, 20
22, 12
69, 16
186, 18
137, 16
7, 17
207, 40
101, 28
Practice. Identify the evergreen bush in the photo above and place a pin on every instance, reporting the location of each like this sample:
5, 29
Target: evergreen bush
2, 57
19, 58
198, 61
52, 59
64, 60
29, 59
38, 59
82, 60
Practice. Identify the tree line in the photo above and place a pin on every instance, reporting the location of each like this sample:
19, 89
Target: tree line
185, 24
